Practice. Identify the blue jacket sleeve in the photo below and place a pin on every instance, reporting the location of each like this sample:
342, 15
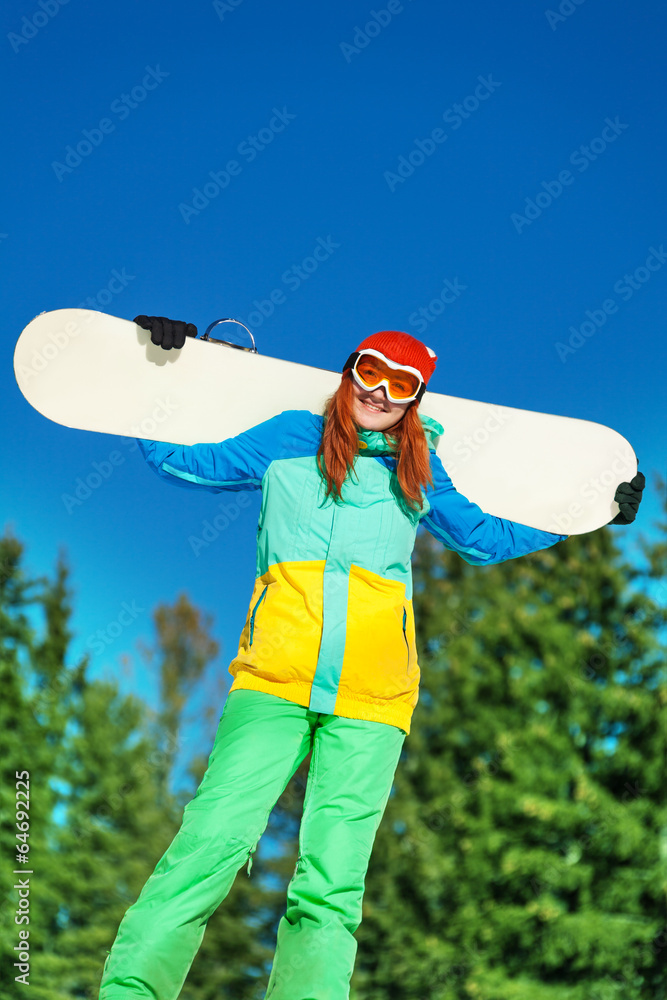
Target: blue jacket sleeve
239, 463
479, 538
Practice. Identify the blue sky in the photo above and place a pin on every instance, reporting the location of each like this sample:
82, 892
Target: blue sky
532, 148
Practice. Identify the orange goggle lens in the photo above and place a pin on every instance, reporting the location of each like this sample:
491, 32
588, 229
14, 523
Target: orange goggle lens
373, 370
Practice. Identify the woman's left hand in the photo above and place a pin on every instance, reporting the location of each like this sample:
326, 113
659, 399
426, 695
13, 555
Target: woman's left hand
629, 496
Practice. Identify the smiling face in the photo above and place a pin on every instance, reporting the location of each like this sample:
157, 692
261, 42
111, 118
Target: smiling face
372, 410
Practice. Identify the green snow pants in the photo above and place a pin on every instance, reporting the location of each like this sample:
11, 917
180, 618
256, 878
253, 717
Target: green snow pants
260, 742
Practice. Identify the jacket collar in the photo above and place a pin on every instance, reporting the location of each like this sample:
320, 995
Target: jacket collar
375, 443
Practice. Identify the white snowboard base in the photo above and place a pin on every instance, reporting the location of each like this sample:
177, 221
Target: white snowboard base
96, 372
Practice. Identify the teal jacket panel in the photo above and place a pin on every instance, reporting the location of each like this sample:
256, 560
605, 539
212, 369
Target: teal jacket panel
338, 573
260, 459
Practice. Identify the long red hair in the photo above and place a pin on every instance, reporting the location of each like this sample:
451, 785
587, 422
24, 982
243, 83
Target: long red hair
340, 446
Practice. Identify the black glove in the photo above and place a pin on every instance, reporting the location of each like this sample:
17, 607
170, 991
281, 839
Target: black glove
629, 496
166, 333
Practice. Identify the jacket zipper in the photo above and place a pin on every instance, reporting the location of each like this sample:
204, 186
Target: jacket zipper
407, 644
254, 612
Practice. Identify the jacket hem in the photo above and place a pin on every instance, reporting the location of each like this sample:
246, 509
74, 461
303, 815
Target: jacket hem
299, 692
350, 708
295, 691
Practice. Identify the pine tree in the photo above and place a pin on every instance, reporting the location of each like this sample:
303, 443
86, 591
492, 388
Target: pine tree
101, 810
523, 853
90, 827
182, 650
26, 799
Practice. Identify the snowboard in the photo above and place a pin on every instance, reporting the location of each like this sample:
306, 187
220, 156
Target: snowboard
91, 371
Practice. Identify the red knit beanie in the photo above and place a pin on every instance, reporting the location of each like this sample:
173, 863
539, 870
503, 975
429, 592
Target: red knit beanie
402, 349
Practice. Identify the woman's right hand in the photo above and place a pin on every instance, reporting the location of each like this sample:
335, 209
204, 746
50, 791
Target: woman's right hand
166, 333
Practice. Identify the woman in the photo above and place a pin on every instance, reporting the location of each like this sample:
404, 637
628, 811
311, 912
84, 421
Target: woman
327, 661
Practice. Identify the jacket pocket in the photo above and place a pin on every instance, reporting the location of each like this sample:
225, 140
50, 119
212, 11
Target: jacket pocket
254, 612
407, 644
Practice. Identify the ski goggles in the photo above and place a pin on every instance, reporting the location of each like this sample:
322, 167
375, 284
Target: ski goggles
371, 369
